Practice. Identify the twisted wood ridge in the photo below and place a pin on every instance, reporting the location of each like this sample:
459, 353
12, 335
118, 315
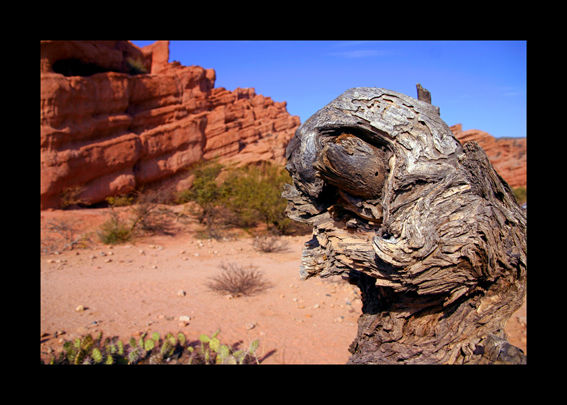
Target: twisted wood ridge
425, 227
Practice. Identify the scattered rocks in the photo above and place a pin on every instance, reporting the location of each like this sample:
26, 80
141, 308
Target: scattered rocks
80, 308
184, 320
250, 325
181, 293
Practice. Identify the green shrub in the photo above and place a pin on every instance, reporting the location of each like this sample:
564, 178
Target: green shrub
206, 193
247, 196
255, 192
114, 231
204, 190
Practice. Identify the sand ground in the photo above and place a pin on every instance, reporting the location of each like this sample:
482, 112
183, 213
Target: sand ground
146, 285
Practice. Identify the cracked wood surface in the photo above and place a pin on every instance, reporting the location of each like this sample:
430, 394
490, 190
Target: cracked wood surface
425, 227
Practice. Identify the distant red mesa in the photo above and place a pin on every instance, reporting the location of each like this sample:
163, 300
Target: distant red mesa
115, 117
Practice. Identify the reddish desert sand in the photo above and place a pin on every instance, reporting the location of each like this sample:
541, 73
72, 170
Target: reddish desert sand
148, 284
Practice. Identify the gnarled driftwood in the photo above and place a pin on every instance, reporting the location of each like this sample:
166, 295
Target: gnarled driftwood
426, 228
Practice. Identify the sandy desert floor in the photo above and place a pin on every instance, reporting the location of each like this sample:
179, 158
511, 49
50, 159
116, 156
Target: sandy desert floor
146, 285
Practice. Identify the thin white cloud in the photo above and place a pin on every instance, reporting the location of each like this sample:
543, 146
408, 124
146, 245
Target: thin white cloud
510, 91
343, 44
359, 53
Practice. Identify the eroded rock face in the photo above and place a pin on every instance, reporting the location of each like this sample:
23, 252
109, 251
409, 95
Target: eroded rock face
423, 225
115, 117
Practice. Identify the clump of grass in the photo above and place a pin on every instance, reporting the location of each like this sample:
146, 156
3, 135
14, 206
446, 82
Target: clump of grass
238, 280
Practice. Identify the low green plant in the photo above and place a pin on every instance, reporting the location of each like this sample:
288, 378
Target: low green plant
213, 351
120, 200
152, 350
88, 350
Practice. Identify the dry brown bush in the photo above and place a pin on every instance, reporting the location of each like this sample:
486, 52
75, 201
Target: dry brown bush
269, 244
238, 280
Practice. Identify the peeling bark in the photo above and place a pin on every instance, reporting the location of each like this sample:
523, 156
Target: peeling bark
423, 225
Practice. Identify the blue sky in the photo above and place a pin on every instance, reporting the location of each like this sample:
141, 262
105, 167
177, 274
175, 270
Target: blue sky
481, 84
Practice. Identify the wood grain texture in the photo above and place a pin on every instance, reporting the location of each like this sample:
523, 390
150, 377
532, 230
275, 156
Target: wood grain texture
425, 227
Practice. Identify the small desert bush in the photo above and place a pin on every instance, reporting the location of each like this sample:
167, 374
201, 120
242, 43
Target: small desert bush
237, 280
115, 231
269, 244
171, 349
207, 194
521, 194
63, 235
145, 216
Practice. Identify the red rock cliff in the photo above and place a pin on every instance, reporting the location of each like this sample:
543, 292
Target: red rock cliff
114, 117
507, 155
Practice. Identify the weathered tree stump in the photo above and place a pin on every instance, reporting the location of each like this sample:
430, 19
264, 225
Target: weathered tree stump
423, 225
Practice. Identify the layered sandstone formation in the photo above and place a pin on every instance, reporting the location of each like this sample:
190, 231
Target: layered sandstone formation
507, 155
115, 117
